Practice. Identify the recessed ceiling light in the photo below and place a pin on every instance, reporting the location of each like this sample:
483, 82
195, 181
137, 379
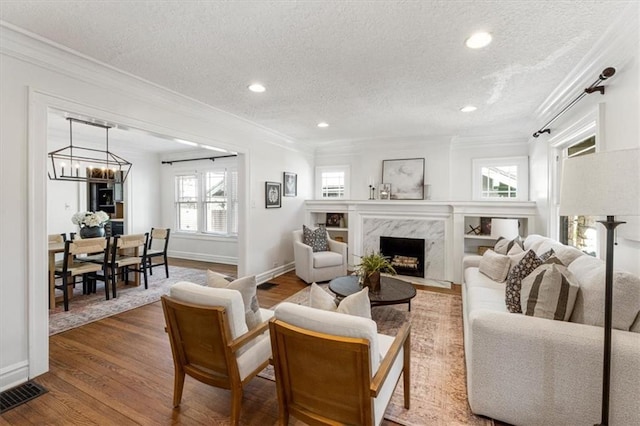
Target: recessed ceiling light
468, 108
478, 40
257, 87
323, 124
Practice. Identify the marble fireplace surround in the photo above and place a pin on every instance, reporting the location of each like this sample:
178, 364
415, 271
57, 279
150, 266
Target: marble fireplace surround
430, 230
441, 223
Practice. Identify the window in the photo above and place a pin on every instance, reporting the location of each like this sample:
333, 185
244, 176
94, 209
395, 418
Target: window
580, 231
213, 209
332, 182
501, 179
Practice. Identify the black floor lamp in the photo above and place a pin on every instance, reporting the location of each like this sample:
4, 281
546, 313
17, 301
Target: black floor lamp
603, 184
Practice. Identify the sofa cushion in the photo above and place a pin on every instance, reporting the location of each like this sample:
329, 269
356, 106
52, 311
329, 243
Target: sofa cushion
549, 292
491, 299
247, 287
315, 238
355, 304
494, 265
516, 274
474, 278
533, 241
589, 308
324, 259
503, 246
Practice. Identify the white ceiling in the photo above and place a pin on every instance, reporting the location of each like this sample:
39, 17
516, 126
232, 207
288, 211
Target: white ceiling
371, 69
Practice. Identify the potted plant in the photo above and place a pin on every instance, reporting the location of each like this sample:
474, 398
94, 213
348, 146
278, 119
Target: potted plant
370, 267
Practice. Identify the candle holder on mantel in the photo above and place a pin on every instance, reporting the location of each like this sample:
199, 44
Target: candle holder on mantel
372, 192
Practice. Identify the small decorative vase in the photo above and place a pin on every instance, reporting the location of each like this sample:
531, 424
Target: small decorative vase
373, 282
92, 231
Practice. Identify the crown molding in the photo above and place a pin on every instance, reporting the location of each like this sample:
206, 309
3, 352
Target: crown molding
357, 146
465, 142
44, 53
615, 48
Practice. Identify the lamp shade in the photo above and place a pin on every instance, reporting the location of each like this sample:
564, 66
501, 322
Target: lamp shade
601, 184
505, 228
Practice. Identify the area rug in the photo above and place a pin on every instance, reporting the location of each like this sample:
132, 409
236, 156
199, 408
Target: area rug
84, 309
438, 384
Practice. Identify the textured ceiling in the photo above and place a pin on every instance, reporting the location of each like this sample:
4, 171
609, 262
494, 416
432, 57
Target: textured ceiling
372, 69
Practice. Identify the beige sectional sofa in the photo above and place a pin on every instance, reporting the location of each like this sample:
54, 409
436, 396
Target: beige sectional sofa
526, 370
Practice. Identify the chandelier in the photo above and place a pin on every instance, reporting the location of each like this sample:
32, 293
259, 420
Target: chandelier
80, 164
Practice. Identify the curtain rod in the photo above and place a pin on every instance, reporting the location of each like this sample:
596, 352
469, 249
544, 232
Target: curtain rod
197, 159
606, 73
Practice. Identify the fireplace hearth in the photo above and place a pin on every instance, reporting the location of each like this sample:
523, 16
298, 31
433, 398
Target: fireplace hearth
406, 254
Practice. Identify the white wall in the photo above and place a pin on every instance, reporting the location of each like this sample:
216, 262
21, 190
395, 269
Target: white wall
34, 77
447, 162
617, 114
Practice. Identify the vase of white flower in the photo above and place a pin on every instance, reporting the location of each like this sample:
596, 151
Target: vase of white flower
91, 223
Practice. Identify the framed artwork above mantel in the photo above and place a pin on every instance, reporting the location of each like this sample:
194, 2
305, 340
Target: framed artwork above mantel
406, 177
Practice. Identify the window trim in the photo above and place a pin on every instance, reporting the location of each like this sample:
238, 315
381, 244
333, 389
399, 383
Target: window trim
522, 162
200, 175
346, 169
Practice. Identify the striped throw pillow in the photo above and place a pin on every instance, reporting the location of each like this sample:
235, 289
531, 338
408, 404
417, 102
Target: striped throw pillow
549, 292
503, 246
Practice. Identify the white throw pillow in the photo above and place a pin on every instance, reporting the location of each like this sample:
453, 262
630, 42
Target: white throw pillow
357, 304
503, 246
494, 265
549, 292
247, 287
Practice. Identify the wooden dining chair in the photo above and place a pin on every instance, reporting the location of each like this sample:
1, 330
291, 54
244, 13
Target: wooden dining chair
128, 254
57, 238
334, 368
157, 249
71, 266
210, 340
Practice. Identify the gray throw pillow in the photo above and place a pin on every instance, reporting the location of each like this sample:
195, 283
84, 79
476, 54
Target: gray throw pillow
503, 245
514, 280
315, 238
247, 287
494, 265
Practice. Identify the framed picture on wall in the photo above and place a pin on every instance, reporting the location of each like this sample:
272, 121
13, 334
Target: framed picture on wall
406, 177
290, 184
272, 195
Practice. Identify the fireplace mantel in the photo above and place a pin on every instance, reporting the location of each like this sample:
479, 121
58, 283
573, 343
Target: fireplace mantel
442, 222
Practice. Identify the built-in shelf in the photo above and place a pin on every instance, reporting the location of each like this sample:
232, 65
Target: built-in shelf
479, 237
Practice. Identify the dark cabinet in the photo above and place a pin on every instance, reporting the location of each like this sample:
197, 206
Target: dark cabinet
108, 197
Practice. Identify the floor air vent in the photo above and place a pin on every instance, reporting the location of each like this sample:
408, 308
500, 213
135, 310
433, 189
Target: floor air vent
19, 395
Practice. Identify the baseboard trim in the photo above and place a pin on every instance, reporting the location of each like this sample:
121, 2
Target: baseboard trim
14, 375
227, 260
275, 272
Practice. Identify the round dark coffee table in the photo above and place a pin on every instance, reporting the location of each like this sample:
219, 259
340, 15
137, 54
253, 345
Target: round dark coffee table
392, 291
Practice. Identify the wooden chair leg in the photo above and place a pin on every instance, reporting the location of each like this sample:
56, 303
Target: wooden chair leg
406, 371
236, 404
178, 385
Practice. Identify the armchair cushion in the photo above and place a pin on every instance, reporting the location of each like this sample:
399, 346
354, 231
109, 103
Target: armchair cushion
208, 296
333, 323
247, 288
323, 259
357, 304
315, 238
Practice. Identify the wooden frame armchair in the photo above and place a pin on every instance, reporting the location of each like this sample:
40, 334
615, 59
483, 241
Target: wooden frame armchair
328, 366
210, 340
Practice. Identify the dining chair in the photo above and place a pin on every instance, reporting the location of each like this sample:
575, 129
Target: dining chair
157, 248
70, 266
57, 238
334, 368
128, 253
210, 341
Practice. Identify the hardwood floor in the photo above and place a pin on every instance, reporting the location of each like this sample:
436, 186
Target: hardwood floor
119, 371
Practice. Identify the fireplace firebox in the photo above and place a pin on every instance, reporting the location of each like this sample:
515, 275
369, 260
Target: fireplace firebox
406, 254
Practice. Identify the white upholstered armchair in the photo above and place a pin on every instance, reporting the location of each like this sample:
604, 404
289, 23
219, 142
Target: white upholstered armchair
321, 265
